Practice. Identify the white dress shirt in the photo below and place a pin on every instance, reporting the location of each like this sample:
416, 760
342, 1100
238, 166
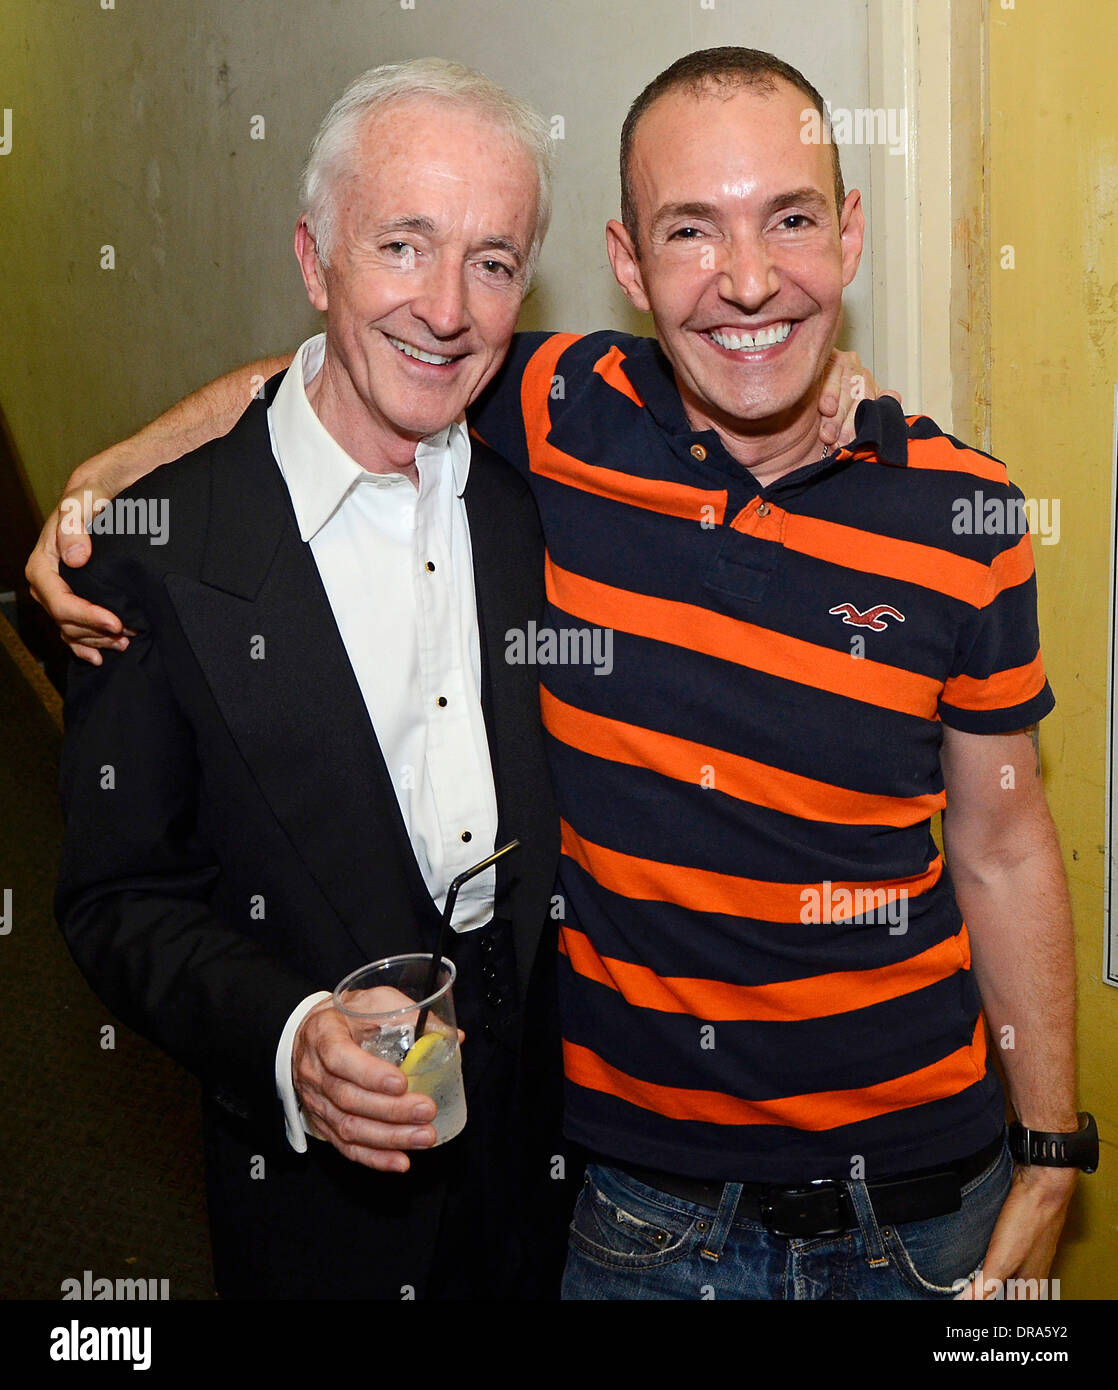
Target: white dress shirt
397, 567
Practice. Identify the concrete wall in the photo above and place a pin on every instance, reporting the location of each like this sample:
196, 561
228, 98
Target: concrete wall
131, 128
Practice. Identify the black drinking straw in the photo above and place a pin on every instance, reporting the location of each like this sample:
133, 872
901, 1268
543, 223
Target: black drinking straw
444, 929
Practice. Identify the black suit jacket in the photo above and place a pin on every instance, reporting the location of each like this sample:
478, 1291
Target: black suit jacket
234, 843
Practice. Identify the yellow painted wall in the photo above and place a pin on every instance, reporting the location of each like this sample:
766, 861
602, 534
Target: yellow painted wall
1054, 316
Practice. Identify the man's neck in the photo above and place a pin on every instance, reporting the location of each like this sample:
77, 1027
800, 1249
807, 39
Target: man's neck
774, 448
346, 419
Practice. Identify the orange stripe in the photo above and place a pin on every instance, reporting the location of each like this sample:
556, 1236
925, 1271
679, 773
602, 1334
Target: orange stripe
739, 777
609, 369
999, 691
939, 455
745, 644
1011, 567
785, 1001
707, 890
869, 553
535, 384
668, 499
814, 1110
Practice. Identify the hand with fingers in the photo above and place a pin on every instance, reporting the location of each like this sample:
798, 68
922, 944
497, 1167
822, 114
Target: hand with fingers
356, 1101
846, 383
86, 628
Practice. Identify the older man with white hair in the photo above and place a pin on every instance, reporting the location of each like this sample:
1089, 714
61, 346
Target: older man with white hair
313, 731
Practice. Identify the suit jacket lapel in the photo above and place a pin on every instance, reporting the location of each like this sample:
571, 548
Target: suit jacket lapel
262, 629
509, 693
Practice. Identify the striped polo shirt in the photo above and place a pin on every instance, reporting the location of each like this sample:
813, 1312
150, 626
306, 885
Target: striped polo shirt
764, 975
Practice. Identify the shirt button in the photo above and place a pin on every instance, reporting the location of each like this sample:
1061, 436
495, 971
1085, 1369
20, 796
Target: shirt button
697, 451
465, 837
430, 567
763, 509
441, 702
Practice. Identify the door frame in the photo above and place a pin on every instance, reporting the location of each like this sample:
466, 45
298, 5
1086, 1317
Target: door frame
929, 241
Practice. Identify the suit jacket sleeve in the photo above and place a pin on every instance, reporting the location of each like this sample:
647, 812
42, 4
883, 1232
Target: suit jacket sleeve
134, 893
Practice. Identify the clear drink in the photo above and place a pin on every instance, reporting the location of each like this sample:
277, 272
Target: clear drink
435, 1069
392, 1043
382, 1003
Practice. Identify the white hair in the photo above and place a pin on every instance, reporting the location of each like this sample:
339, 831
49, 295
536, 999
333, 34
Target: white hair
334, 148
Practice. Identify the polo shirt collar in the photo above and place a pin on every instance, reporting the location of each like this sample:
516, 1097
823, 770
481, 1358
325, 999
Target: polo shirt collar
654, 381
879, 425
318, 472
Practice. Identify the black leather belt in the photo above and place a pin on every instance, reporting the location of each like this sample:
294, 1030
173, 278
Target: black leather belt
823, 1208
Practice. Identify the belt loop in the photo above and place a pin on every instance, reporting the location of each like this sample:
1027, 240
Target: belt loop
867, 1223
723, 1220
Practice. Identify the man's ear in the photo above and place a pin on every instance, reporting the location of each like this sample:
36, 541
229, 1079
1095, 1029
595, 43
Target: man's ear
852, 233
626, 267
307, 254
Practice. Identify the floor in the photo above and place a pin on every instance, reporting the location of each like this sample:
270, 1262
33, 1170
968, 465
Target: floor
100, 1147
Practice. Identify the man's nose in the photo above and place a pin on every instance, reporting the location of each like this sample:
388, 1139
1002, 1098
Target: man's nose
748, 274
441, 300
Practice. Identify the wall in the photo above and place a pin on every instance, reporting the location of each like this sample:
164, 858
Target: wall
1054, 346
131, 128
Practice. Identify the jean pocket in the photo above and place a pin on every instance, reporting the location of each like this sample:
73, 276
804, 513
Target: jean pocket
614, 1225
941, 1255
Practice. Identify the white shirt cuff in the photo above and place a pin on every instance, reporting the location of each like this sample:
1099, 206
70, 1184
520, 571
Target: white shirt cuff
293, 1116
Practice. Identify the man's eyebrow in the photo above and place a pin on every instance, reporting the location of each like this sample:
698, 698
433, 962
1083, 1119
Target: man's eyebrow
809, 197
502, 243
413, 223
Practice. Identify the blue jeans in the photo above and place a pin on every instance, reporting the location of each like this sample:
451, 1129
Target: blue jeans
630, 1241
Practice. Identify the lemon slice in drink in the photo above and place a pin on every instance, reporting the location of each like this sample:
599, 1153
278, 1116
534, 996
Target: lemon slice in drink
423, 1049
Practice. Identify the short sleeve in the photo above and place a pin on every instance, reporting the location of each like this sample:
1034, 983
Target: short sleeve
997, 682
497, 417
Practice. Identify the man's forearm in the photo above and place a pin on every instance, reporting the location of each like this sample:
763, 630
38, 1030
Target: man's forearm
205, 414
1022, 947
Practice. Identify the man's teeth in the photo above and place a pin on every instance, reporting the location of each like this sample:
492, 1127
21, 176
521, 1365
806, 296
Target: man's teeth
418, 353
764, 337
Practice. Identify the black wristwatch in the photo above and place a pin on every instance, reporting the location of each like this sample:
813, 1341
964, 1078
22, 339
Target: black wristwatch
1079, 1149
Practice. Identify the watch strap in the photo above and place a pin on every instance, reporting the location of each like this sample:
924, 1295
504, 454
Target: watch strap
1045, 1149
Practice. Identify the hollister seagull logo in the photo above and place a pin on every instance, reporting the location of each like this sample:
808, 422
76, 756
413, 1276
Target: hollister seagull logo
873, 618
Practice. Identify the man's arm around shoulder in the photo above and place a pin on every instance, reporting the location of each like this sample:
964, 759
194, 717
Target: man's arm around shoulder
206, 414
